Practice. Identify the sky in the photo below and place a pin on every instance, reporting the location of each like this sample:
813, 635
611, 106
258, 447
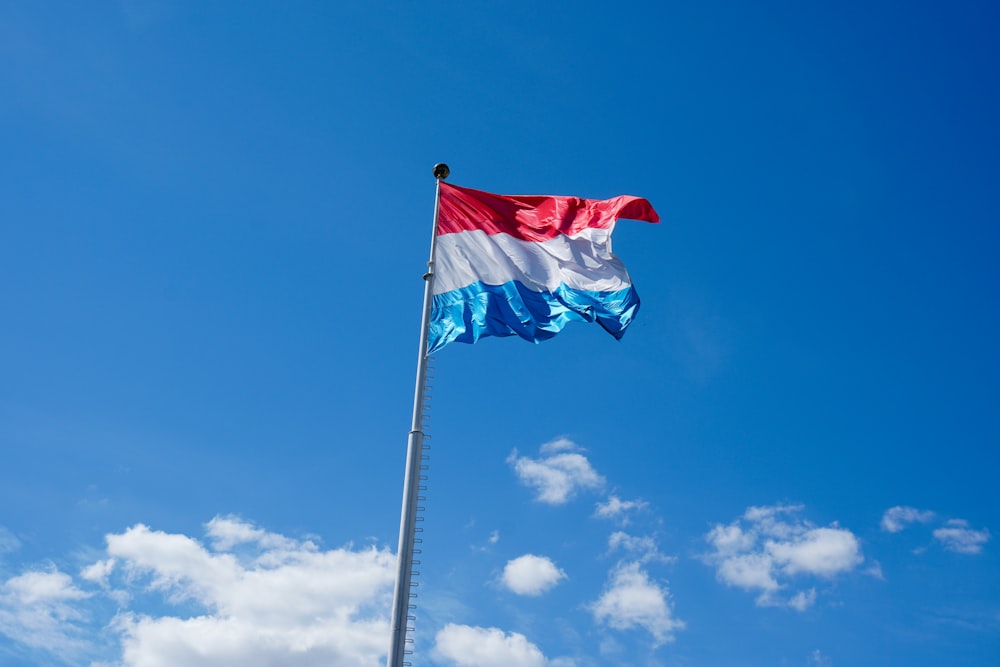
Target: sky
214, 219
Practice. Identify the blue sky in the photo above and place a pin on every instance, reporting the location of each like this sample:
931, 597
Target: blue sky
215, 218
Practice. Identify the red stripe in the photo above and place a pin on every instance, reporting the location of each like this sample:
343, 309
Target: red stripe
533, 217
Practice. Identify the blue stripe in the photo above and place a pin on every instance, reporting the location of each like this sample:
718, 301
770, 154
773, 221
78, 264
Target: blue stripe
470, 313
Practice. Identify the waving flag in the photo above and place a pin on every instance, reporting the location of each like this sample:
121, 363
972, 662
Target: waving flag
528, 265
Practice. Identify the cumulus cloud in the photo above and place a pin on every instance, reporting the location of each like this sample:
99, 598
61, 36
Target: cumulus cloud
820, 551
468, 646
244, 597
769, 547
227, 532
617, 509
279, 602
531, 575
632, 600
897, 518
956, 536
559, 473
38, 610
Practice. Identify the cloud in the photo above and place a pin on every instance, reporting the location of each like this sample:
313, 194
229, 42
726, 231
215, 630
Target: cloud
803, 600
875, 570
817, 659
958, 537
230, 531
558, 474
250, 598
531, 575
631, 600
38, 610
558, 445
821, 551
643, 548
280, 601
955, 535
896, 518
618, 509
749, 571
768, 547
8, 542
468, 646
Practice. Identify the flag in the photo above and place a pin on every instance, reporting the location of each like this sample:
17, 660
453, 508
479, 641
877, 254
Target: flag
528, 265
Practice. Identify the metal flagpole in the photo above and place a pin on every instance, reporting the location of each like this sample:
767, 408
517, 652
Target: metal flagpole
414, 456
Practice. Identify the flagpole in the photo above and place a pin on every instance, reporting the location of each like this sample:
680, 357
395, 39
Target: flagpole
414, 456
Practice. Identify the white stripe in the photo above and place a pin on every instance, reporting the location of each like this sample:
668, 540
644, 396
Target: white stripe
583, 261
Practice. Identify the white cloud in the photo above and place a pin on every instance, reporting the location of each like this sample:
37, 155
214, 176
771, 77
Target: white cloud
562, 661
730, 539
558, 475
282, 602
561, 444
765, 519
632, 600
896, 518
803, 600
769, 547
8, 542
618, 509
955, 535
251, 599
494, 537
644, 548
821, 551
749, 571
958, 537
875, 570
468, 646
99, 572
38, 610
531, 575
230, 531
817, 659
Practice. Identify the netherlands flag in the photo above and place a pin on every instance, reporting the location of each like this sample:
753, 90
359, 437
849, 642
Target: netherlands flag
528, 265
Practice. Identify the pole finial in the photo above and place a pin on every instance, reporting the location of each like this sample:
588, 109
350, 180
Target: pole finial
441, 171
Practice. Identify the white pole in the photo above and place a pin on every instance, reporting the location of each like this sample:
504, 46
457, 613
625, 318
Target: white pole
414, 456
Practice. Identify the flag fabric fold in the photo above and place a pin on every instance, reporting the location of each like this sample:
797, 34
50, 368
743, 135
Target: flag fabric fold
528, 265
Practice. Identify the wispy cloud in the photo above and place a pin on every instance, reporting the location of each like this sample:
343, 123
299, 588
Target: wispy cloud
818, 659
469, 646
617, 509
642, 548
874, 570
8, 542
770, 545
39, 610
897, 518
632, 600
956, 536
558, 474
531, 575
